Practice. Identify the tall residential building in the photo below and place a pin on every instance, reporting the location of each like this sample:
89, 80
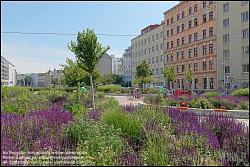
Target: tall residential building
190, 31
8, 73
149, 47
105, 65
233, 44
126, 66
52, 77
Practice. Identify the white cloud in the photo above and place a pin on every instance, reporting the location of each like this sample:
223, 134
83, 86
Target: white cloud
116, 53
30, 58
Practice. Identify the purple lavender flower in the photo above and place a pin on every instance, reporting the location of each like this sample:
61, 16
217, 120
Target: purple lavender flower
129, 107
94, 115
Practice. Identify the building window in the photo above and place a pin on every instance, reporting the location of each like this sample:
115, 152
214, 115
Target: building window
156, 47
161, 34
172, 44
172, 32
190, 24
148, 40
195, 83
172, 20
204, 83
226, 38
167, 58
211, 64
210, 2
190, 66
225, 7
145, 51
178, 42
195, 66
211, 32
245, 68
195, 36
245, 33
204, 4
204, 34
190, 38
195, 52
167, 33
152, 38
182, 14
178, 16
178, 29
149, 48
182, 27
178, 55
245, 50
182, 68
244, 16
145, 41
189, 53
190, 10
167, 22
161, 57
195, 22
178, 68
152, 49
161, 46
204, 49
152, 60
226, 54
204, 18
195, 8
211, 16
182, 54
226, 23
148, 61
204, 65
172, 57
182, 40
156, 36
156, 59
244, 2
211, 83
211, 48
227, 70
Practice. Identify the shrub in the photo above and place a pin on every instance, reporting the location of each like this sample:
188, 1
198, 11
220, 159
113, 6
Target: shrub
215, 102
150, 91
100, 95
109, 88
201, 102
241, 92
159, 99
171, 101
211, 94
244, 105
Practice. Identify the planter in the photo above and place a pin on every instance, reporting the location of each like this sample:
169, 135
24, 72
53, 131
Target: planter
183, 104
220, 110
182, 108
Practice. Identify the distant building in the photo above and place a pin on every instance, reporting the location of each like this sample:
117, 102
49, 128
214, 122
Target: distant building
8, 73
117, 66
105, 65
126, 66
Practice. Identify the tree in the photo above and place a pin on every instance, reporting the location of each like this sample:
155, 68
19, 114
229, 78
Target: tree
143, 74
27, 80
189, 77
169, 73
88, 52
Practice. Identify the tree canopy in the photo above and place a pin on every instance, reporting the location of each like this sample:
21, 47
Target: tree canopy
143, 73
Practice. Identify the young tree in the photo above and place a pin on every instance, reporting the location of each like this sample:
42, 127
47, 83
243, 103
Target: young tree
189, 77
143, 74
27, 80
88, 52
169, 73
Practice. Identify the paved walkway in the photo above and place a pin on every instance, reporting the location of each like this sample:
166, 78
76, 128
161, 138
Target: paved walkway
124, 100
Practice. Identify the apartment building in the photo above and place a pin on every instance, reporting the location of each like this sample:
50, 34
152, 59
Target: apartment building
116, 65
126, 66
52, 77
105, 65
233, 44
8, 73
190, 33
148, 46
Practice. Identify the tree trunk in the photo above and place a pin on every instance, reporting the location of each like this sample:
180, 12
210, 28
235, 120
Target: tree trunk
92, 90
78, 91
170, 86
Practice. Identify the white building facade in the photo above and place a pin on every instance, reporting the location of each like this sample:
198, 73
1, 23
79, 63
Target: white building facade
127, 67
8, 73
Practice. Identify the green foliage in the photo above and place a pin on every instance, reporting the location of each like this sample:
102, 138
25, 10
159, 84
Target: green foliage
150, 91
189, 75
100, 95
241, 92
143, 73
171, 101
111, 79
77, 108
169, 73
244, 105
217, 103
109, 88
159, 99
201, 102
211, 94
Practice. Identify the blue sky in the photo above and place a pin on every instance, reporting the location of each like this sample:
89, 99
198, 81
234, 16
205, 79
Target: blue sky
38, 53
